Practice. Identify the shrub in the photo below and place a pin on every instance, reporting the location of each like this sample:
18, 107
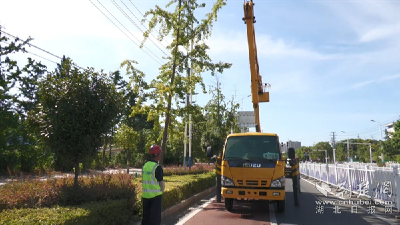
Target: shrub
187, 188
180, 170
36, 193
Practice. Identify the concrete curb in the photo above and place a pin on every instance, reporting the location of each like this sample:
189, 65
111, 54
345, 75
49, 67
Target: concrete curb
184, 204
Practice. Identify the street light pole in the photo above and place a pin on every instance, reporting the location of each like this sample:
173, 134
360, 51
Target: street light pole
243, 99
348, 147
370, 153
380, 131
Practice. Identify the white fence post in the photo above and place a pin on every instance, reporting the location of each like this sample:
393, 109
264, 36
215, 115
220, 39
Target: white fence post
395, 186
336, 178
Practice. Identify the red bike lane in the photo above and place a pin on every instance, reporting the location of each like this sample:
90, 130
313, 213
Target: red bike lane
256, 213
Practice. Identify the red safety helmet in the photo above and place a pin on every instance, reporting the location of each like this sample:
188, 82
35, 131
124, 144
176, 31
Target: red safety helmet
154, 149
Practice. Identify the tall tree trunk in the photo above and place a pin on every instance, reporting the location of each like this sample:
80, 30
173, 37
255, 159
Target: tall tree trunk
112, 134
167, 114
104, 150
127, 160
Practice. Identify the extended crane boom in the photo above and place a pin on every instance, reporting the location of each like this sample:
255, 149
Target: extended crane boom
252, 166
258, 89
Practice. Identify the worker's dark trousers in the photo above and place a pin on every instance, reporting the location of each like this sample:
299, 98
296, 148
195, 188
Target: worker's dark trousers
152, 211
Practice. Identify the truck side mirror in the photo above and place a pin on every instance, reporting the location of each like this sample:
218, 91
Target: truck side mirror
291, 153
209, 152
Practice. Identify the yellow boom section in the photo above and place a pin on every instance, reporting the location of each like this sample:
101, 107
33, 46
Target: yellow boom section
258, 94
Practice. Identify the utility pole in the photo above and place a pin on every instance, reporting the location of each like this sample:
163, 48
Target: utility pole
348, 150
348, 147
191, 102
380, 131
334, 147
185, 135
186, 118
188, 97
1, 75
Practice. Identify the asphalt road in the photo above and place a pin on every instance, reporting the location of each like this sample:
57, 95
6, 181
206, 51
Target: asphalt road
208, 211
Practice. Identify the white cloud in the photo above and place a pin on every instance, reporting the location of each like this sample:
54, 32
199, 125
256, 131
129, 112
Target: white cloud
378, 80
235, 42
370, 20
382, 32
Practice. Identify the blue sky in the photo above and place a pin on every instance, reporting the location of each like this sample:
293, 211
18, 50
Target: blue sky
332, 65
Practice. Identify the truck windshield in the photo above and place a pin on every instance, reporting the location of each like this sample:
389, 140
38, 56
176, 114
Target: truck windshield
252, 147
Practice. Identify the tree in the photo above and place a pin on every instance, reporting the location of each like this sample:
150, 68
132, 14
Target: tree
142, 118
29, 148
220, 117
127, 138
120, 84
173, 24
76, 108
321, 146
391, 146
14, 107
300, 152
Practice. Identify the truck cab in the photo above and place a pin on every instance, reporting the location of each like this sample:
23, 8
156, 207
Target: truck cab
252, 168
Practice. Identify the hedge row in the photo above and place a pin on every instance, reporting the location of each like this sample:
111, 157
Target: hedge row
37, 193
180, 170
186, 188
178, 188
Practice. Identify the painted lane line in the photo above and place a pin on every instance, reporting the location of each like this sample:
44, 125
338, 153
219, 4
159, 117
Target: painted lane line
192, 214
272, 218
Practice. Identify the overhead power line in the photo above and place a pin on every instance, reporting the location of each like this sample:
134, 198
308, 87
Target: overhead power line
41, 49
126, 30
142, 26
10, 35
143, 17
137, 8
362, 133
372, 128
41, 57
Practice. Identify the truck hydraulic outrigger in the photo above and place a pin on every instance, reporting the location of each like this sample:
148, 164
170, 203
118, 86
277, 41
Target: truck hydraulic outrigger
293, 172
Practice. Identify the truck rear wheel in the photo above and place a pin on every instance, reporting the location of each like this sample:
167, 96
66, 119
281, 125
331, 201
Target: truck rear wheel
281, 206
228, 204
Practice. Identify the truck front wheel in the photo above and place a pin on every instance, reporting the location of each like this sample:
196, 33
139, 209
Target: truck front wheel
228, 204
281, 206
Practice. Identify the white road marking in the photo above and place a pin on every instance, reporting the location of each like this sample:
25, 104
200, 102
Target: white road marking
330, 192
190, 215
272, 217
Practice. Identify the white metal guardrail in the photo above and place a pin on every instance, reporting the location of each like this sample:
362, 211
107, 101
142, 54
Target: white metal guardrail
378, 183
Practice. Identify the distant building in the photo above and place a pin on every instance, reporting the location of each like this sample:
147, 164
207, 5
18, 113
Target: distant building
291, 144
389, 129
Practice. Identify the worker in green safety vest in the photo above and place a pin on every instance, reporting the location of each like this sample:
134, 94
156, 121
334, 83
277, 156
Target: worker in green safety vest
153, 188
